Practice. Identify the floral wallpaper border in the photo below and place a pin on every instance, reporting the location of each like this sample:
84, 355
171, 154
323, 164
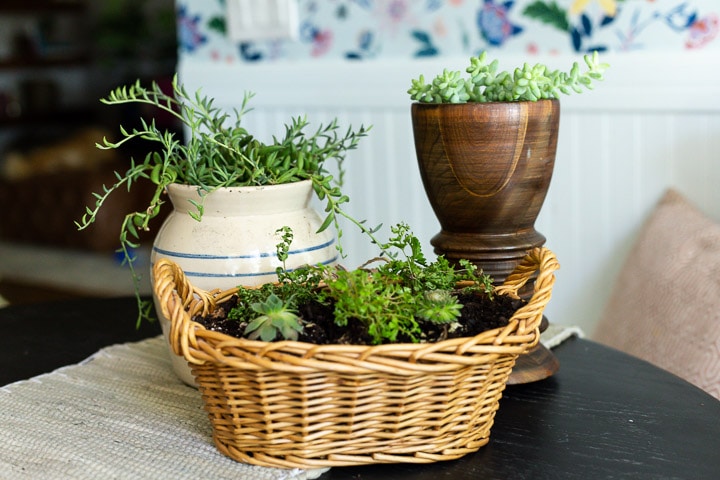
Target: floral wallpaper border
371, 29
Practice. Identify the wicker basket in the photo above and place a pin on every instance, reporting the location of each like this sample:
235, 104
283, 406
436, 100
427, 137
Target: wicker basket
293, 404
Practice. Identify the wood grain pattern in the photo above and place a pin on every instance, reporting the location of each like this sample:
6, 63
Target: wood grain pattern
486, 169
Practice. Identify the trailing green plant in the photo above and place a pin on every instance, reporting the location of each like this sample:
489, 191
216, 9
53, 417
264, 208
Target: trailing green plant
484, 83
219, 152
388, 300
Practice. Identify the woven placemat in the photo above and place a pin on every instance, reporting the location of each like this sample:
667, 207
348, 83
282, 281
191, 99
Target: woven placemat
555, 334
121, 414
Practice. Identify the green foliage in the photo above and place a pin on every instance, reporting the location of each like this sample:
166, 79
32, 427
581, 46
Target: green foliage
388, 299
438, 306
484, 83
275, 318
549, 13
220, 152
293, 286
218, 24
384, 307
283, 248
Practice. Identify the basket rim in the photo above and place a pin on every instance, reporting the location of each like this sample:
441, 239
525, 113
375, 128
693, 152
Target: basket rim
180, 301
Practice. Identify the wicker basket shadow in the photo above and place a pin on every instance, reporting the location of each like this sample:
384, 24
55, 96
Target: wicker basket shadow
298, 405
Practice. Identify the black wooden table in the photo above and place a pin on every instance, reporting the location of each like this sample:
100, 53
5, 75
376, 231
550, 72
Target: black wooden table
603, 415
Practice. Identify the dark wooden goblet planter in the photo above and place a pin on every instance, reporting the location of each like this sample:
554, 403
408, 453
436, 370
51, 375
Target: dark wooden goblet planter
486, 169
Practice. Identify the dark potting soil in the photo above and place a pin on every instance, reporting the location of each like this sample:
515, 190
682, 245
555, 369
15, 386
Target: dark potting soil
478, 314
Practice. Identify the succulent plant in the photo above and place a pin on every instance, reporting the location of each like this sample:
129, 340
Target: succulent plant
484, 83
275, 318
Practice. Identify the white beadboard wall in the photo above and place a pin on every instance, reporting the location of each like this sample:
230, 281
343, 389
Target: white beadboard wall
653, 123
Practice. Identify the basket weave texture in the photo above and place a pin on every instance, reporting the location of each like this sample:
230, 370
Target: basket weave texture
299, 405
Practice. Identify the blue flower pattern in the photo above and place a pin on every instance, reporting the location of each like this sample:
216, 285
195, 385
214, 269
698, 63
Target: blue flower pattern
369, 29
493, 22
188, 27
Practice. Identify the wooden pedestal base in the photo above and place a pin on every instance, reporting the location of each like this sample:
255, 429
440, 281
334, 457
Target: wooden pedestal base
497, 254
537, 364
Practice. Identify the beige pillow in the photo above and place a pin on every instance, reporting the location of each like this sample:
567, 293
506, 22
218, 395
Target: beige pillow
665, 306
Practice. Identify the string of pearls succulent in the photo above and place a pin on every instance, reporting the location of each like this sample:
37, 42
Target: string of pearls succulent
484, 83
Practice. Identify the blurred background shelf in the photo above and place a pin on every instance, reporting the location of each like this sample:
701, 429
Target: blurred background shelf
31, 273
53, 6
57, 59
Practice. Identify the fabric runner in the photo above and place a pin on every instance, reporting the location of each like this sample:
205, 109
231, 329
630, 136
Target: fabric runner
123, 414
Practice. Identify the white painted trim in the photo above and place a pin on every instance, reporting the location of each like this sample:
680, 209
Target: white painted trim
683, 81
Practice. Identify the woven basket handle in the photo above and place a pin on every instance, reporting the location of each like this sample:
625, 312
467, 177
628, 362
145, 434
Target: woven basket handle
175, 294
543, 261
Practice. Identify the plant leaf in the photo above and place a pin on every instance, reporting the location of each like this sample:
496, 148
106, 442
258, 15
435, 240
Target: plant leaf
549, 13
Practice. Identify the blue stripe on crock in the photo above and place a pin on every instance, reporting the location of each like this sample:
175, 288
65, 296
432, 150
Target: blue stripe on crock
245, 275
229, 257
